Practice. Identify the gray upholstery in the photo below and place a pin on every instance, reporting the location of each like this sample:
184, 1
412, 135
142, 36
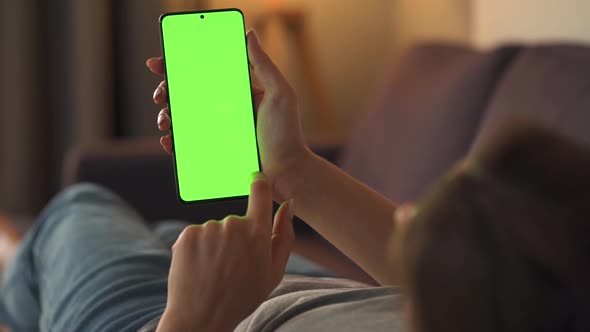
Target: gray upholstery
549, 84
426, 119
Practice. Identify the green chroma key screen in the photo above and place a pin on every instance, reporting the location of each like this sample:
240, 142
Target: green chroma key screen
213, 126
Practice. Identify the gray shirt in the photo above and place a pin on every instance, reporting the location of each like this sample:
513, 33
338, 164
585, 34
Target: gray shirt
323, 304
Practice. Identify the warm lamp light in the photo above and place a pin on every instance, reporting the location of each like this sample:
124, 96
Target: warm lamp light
273, 4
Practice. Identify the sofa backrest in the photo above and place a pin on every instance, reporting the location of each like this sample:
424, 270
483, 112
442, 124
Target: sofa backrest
426, 118
549, 84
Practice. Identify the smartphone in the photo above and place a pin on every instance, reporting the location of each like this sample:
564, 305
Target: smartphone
210, 102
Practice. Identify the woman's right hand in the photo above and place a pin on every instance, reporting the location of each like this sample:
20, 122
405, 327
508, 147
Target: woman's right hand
280, 138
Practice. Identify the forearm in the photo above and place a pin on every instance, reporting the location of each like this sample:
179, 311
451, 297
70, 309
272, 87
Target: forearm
352, 216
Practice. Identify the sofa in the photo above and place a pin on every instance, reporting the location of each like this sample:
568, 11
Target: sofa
438, 102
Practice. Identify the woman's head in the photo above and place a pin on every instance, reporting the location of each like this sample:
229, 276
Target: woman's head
502, 243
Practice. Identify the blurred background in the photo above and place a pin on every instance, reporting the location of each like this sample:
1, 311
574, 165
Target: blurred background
73, 71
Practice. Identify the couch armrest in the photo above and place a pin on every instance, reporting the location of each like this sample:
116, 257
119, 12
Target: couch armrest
140, 172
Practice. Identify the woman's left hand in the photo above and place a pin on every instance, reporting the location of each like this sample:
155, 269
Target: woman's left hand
223, 270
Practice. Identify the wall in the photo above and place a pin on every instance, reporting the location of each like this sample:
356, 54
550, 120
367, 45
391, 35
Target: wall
500, 21
423, 20
355, 43
351, 44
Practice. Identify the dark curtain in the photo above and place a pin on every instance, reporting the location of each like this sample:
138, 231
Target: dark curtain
72, 72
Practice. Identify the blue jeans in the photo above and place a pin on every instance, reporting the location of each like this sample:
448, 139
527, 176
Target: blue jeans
90, 263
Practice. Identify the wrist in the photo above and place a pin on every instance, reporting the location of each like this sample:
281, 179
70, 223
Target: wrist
292, 175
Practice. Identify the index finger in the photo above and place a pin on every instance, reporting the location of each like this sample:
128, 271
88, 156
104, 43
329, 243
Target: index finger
260, 202
156, 65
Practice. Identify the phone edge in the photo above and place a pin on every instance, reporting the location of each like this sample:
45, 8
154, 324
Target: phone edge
176, 184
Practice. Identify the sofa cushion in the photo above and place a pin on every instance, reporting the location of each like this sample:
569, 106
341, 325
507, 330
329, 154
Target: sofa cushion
425, 120
549, 84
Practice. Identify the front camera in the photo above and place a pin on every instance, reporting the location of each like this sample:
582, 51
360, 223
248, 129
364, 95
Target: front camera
202, 16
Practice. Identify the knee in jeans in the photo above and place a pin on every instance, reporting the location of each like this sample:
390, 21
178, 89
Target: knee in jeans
88, 192
72, 205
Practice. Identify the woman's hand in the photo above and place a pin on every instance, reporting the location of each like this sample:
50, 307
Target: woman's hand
278, 127
222, 271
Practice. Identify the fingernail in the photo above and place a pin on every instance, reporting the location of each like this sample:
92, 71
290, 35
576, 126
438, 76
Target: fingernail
157, 93
405, 212
256, 176
148, 61
160, 119
399, 214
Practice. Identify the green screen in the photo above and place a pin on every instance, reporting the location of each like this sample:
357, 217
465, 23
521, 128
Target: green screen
210, 103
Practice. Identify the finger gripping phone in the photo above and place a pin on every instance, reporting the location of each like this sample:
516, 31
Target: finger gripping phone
210, 102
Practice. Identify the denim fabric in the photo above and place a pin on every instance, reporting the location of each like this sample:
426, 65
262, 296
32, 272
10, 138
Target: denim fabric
90, 263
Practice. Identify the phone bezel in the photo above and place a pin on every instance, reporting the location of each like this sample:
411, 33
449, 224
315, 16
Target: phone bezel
176, 180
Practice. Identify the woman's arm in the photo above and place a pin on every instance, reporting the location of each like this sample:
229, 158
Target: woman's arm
356, 219
352, 216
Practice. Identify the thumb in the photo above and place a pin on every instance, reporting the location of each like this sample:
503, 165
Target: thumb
266, 71
283, 238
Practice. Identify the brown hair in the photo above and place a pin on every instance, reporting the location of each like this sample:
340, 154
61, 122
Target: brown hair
503, 243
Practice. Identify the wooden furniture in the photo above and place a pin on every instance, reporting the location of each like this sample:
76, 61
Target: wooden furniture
292, 21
